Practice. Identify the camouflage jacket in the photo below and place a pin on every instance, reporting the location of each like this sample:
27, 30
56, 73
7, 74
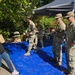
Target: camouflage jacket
70, 33
31, 28
60, 30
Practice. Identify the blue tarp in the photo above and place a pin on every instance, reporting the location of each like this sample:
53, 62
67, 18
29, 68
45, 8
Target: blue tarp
40, 63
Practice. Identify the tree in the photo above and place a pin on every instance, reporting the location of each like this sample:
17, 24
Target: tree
13, 13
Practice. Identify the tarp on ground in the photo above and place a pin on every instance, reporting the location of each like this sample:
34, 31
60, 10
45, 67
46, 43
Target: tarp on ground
57, 6
40, 63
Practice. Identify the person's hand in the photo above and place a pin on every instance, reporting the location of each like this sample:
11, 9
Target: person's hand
36, 31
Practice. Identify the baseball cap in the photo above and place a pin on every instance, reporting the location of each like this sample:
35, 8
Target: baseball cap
69, 14
58, 15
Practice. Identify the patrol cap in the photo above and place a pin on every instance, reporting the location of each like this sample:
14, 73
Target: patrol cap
58, 15
69, 14
16, 32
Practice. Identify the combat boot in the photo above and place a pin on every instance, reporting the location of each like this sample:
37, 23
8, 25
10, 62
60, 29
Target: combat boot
36, 49
71, 74
27, 54
66, 71
59, 63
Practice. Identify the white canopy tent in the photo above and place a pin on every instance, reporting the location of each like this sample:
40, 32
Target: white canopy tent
57, 6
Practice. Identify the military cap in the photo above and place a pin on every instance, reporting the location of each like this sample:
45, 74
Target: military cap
69, 14
16, 32
58, 15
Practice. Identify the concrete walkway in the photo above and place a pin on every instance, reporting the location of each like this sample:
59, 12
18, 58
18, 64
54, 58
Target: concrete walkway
4, 69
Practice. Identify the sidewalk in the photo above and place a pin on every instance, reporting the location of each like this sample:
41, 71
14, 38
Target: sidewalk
4, 69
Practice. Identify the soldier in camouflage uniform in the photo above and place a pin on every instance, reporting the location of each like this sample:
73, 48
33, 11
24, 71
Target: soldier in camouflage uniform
31, 33
40, 35
70, 44
58, 39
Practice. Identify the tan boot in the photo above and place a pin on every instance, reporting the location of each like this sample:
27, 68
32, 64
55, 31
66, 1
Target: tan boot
27, 54
59, 63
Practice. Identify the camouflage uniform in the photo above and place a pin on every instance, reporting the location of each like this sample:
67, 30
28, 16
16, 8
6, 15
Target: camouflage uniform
70, 45
16, 37
32, 36
40, 35
57, 42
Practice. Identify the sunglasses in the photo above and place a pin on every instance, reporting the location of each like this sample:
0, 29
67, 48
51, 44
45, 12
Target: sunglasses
57, 18
68, 17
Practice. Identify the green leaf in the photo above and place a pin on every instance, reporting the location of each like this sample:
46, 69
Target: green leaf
25, 1
0, 0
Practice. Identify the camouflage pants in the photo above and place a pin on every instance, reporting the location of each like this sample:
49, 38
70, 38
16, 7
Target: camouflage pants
70, 58
57, 49
32, 42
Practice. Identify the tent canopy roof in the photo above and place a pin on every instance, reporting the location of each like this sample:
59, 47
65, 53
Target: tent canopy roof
56, 6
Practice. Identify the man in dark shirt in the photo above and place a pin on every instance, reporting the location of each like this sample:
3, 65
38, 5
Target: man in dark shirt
40, 33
